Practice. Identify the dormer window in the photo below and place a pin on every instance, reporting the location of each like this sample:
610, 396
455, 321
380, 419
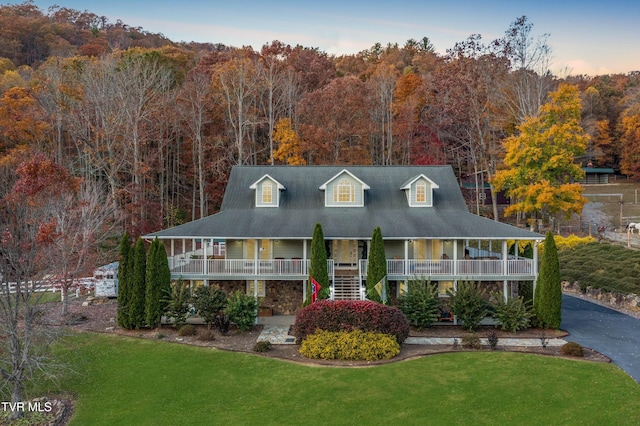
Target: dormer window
419, 191
344, 190
267, 191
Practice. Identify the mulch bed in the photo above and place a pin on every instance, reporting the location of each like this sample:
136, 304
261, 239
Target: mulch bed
101, 317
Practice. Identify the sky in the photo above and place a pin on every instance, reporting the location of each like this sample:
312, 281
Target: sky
585, 38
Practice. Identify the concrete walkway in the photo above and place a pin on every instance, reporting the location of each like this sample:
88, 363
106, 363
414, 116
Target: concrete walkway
276, 330
501, 341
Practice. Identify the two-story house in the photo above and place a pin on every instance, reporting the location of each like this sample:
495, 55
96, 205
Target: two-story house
260, 240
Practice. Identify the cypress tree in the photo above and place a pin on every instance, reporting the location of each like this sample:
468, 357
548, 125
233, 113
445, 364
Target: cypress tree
152, 285
377, 267
138, 286
318, 265
164, 276
548, 293
124, 281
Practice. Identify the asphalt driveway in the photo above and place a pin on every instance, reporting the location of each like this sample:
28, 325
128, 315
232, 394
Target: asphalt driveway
609, 332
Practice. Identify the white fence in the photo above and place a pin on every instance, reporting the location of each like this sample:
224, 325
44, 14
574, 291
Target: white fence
466, 267
233, 267
395, 267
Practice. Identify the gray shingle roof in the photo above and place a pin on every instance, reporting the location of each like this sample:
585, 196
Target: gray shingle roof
302, 206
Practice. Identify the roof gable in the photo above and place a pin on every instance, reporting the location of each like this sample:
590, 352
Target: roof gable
344, 190
267, 191
324, 185
419, 191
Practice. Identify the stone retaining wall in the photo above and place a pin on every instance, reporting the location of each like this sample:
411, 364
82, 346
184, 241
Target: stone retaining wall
615, 300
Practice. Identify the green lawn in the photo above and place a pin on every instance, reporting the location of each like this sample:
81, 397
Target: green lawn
122, 381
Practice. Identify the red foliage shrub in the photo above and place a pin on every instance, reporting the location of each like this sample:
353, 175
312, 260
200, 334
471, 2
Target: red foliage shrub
347, 315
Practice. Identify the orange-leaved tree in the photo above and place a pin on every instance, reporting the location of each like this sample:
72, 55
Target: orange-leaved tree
630, 161
288, 150
540, 171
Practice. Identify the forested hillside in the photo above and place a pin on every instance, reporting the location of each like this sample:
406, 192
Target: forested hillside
156, 125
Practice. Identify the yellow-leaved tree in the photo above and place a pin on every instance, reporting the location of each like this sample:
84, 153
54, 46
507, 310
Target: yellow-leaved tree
289, 150
540, 171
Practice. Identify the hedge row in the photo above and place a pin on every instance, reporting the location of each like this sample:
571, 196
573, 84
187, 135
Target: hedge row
354, 345
348, 315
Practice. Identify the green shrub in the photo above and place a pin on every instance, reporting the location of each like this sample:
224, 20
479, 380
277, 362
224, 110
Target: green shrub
572, 349
187, 330
492, 338
262, 346
223, 323
177, 303
347, 315
209, 302
471, 341
352, 346
512, 315
469, 304
206, 335
242, 310
601, 265
420, 304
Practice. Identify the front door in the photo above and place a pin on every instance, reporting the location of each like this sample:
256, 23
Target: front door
345, 253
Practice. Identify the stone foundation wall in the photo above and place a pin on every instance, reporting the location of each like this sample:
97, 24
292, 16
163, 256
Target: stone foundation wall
618, 301
284, 297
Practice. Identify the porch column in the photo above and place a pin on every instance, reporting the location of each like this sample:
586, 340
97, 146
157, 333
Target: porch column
205, 250
405, 266
535, 269
173, 247
303, 267
505, 255
256, 254
455, 290
455, 257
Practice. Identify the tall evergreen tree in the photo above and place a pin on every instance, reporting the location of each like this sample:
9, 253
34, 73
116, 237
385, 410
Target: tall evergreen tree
318, 265
548, 293
138, 286
165, 276
377, 268
158, 281
124, 282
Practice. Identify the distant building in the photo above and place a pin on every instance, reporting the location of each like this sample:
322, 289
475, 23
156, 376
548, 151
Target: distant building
106, 280
596, 175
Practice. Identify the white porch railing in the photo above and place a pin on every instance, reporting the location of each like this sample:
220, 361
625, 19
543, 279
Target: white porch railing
447, 267
232, 267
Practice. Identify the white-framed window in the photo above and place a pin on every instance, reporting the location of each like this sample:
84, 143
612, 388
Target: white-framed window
421, 192
262, 288
267, 192
345, 192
